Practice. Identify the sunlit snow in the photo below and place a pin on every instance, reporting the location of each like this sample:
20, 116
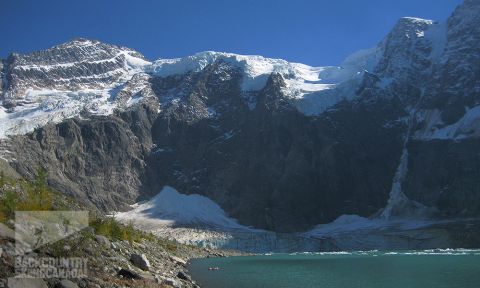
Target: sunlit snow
170, 208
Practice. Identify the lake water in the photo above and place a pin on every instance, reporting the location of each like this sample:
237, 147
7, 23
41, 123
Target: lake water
422, 269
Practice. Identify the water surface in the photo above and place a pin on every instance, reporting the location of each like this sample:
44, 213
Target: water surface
422, 269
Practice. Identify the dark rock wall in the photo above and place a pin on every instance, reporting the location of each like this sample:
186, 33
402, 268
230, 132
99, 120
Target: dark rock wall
273, 167
446, 175
100, 161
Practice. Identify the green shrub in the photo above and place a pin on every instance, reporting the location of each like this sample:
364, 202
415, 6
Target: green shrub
36, 195
112, 229
8, 204
23, 195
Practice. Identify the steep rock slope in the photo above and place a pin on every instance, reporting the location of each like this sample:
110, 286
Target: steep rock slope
261, 165
100, 160
443, 170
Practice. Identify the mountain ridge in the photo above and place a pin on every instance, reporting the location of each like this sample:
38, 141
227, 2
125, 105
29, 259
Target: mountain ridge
106, 69
312, 89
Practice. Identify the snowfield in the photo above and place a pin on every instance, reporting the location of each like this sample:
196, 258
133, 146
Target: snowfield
311, 89
197, 220
52, 106
170, 208
435, 129
353, 223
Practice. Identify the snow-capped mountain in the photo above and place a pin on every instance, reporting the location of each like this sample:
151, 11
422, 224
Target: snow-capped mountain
392, 132
86, 75
76, 65
89, 76
61, 82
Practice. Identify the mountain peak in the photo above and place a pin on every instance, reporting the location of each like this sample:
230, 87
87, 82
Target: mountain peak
82, 40
59, 82
411, 27
415, 20
78, 42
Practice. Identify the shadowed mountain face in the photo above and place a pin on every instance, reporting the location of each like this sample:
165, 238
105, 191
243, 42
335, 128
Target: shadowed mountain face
277, 145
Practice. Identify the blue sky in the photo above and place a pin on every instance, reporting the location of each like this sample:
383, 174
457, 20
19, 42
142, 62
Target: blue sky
315, 32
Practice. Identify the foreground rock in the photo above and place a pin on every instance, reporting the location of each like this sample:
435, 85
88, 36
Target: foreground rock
102, 240
168, 281
129, 274
26, 283
148, 263
6, 232
178, 260
184, 276
66, 284
140, 261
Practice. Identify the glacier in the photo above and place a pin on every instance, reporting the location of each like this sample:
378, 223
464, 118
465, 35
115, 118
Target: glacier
197, 220
170, 208
311, 89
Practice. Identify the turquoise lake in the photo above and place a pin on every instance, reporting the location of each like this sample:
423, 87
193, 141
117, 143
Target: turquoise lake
422, 269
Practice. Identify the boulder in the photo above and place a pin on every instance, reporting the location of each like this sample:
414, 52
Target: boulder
140, 261
168, 281
66, 284
125, 273
184, 276
26, 283
6, 232
178, 260
102, 240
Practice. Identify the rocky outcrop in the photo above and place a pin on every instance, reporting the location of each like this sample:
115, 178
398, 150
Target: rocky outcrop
66, 284
26, 283
100, 161
445, 174
455, 86
102, 240
2, 77
109, 266
140, 261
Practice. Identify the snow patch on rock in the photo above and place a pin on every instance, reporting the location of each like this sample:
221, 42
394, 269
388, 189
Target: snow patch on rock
468, 126
354, 223
256, 69
170, 208
312, 89
42, 107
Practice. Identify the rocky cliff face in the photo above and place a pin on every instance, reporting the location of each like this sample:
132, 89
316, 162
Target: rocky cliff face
261, 165
101, 160
447, 124
76, 65
278, 145
2, 76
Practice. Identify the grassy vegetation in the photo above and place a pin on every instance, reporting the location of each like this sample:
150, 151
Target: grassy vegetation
114, 230
36, 195
23, 195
